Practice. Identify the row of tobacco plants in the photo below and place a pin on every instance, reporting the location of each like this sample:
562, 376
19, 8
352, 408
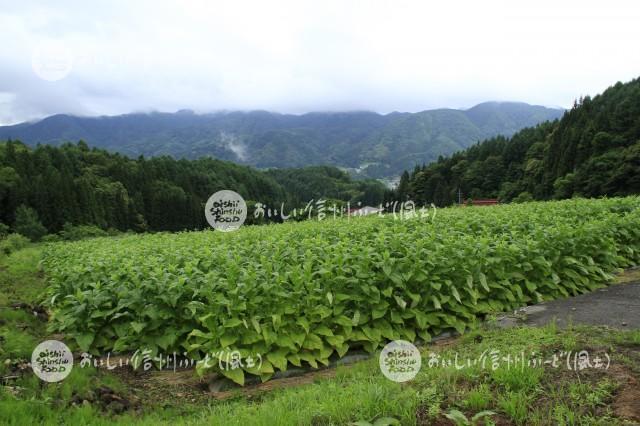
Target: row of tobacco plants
302, 293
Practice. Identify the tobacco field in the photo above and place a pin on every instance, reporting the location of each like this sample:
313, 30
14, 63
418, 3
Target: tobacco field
305, 293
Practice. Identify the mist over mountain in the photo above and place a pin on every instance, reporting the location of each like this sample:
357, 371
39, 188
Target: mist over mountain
365, 143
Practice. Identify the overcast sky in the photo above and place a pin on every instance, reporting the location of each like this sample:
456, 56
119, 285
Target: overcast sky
296, 56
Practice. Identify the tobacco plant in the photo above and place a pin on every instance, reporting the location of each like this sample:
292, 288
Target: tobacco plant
302, 293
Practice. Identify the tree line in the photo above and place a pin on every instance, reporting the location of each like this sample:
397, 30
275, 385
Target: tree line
47, 189
592, 151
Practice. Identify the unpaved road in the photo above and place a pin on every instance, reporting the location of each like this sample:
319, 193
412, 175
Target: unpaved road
616, 306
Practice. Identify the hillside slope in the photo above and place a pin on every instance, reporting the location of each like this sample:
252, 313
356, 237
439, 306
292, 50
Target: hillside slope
73, 184
594, 150
367, 143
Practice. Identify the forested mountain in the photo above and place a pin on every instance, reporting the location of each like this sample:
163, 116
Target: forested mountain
367, 143
315, 182
78, 185
593, 150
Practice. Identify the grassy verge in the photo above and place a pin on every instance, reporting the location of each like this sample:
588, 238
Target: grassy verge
542, 395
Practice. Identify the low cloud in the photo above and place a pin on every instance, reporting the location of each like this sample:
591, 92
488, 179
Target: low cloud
235, 145
299, 56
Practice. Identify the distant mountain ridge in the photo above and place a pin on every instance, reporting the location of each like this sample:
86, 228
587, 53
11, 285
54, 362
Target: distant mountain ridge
365, 143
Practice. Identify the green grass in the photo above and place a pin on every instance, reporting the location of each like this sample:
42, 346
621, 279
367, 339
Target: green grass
515, 405
588, 395
479, 398
631, 337
20, 281
517, 379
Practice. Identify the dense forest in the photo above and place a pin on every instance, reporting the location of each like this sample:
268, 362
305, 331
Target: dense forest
46, 189
593, 150
315, 182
